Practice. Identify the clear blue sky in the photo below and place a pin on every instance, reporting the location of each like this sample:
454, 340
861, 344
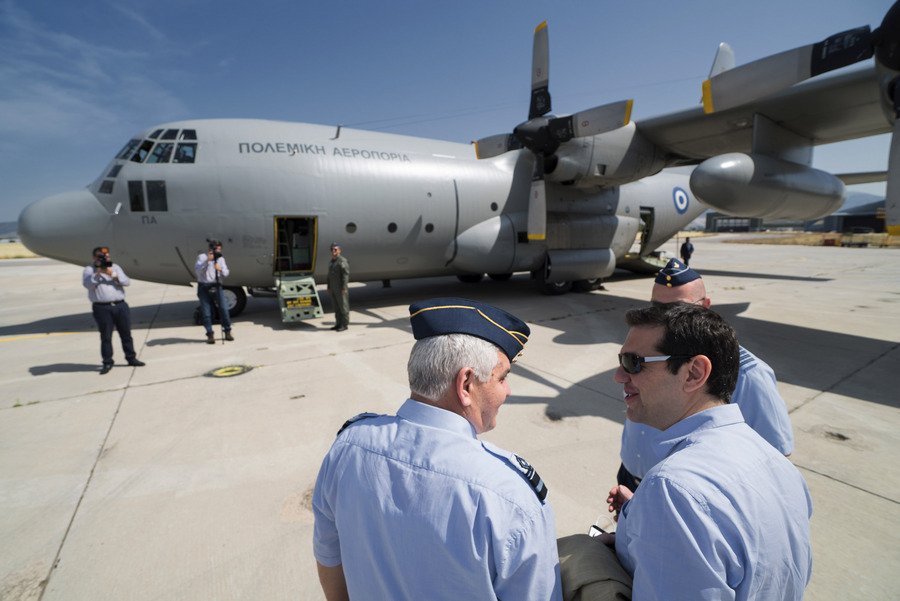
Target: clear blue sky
79, 78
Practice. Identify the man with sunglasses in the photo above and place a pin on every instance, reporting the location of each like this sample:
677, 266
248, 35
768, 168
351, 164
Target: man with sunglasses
756, 392
723, 514
105, 282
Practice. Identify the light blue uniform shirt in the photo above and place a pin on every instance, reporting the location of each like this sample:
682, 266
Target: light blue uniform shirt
415, 507
206, 270
104, 288
723, 516
756, 394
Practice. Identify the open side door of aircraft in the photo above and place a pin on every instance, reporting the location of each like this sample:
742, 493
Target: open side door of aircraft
294, 263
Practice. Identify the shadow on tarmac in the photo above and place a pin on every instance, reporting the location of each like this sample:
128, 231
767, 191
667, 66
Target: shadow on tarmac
581, 319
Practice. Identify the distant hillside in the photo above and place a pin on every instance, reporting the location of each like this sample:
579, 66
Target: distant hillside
8, 229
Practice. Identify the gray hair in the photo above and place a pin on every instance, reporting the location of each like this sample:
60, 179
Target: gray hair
434, 362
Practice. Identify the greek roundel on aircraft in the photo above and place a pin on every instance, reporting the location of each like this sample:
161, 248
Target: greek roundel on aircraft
681, 199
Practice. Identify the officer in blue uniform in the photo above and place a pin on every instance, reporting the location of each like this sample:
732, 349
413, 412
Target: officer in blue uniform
413, 505
756, 392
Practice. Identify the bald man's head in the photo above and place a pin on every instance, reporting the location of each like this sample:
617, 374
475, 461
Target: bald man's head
694, 292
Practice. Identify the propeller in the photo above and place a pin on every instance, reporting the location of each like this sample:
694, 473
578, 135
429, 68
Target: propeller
771, 74
543, 135
765, 76
892, 193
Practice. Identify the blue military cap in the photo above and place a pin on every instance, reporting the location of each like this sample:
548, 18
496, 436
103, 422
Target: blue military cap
675, 274
439, 316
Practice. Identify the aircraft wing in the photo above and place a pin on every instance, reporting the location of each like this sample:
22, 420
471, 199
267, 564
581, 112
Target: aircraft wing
832, 108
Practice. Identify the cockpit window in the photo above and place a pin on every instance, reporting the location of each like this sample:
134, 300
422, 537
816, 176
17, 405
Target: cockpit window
161, 153
185, 153
128, 149
142, 152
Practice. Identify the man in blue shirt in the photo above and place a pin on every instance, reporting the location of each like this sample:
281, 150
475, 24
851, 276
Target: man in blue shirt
756, 392
413, 506
210, 268
105, 282
723, 515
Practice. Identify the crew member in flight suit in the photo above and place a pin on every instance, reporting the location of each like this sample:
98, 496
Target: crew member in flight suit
338, 284
414, 506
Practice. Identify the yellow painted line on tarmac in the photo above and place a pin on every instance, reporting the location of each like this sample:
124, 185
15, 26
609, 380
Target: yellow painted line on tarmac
30, 336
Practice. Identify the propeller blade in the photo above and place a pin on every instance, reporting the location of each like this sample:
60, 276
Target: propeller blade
591, 122
540, 73
537, 203
492, 146
774, 73
892, 194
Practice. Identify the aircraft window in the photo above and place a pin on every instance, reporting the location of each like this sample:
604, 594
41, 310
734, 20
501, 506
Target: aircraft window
107, 186
392, 227
156, 196
114, 171
161, 153
186, 153
142, 152
155, 134
429, 227
136, 196
493, 206
129, 148
351, 228
171, 134
188, 134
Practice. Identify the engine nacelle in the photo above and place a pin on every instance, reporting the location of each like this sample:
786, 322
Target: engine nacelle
609, 159
572, 265
753, 185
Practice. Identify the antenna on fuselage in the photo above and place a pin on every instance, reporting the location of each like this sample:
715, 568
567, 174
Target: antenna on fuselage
337, 134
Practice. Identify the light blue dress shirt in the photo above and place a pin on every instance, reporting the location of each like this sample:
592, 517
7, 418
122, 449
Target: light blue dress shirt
756, 394
723, 516
104, 288
206, 270
415, 507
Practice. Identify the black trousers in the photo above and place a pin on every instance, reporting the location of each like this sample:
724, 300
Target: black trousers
627, 478
108, 318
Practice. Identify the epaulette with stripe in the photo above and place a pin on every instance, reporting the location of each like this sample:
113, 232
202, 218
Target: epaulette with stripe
355, 419
522, 466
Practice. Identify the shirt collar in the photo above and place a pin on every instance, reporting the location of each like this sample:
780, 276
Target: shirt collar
714, 417
434, 417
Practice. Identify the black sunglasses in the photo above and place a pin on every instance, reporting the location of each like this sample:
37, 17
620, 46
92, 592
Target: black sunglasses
633, 363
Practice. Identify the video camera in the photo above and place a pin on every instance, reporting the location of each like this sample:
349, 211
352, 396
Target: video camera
214, 248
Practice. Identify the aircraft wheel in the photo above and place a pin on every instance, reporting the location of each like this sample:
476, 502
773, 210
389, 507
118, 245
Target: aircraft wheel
555, 288
548, 288
586, 285
500, 277
470, 278
235, 299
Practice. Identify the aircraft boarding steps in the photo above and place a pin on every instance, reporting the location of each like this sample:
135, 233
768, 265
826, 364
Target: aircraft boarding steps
298, 298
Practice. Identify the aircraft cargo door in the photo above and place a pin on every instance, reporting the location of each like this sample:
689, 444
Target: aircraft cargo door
295, 245
647, 218
295, 259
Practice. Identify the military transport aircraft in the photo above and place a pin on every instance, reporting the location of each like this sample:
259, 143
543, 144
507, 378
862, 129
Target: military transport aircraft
566, 198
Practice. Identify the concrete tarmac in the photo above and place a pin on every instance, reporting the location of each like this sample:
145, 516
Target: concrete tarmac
184, 480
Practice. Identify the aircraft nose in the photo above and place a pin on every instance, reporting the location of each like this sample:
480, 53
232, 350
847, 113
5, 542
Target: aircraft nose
65, 226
